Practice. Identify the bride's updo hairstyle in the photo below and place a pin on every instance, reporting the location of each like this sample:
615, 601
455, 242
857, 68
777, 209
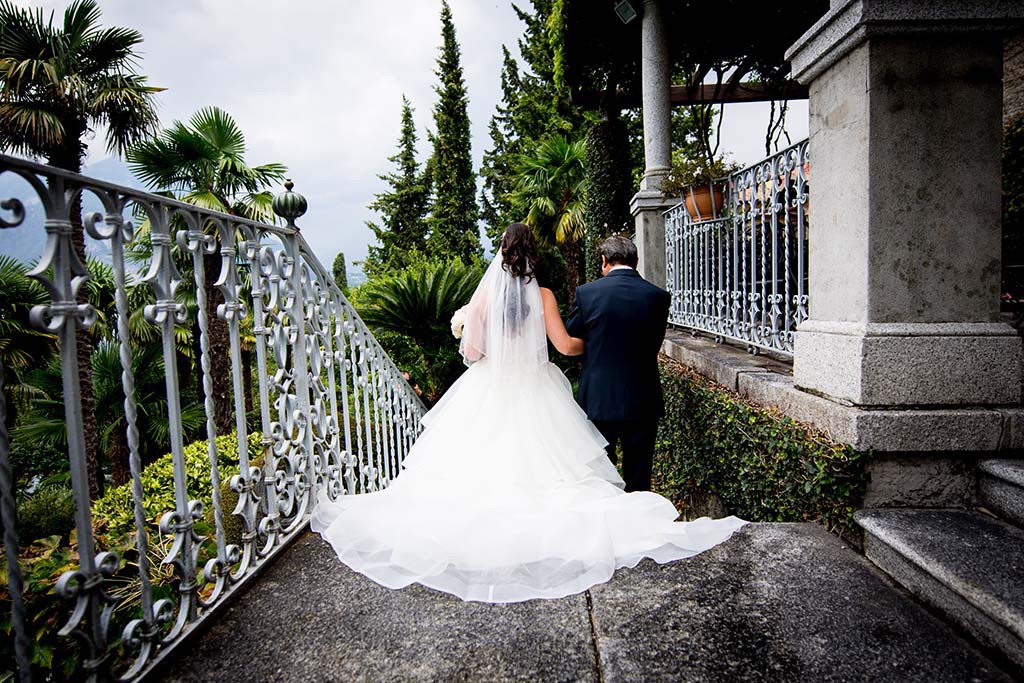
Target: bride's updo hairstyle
519, 251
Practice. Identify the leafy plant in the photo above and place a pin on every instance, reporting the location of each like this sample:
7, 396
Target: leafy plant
60, 82
550, 191
48, 511
22, 345
762, 465
695, 170
114, 512
417, 303
44, 429
203, 163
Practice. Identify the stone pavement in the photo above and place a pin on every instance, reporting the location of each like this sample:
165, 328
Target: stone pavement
777, 602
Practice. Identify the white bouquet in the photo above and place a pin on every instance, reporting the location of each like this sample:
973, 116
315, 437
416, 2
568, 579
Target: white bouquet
459, 321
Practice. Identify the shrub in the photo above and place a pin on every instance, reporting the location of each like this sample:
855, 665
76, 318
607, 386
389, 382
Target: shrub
48, 511
762, 465
115, 511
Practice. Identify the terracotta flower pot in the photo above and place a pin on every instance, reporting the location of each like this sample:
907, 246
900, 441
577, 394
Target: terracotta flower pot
704, 202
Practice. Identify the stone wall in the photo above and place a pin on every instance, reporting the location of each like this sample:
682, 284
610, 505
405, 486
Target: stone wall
1013, 77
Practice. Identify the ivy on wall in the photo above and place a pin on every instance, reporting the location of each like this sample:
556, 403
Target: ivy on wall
761, 465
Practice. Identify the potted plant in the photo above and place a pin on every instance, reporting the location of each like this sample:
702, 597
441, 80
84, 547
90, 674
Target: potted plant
701, 182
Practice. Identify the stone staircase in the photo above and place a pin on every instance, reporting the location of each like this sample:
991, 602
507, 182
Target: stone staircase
967, 565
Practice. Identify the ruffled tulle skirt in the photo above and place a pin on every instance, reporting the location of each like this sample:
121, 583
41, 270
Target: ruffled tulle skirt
506, 496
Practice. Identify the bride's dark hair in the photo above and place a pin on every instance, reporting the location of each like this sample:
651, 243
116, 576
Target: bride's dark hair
519, 251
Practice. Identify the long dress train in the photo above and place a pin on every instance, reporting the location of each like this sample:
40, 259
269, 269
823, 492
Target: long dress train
508, 494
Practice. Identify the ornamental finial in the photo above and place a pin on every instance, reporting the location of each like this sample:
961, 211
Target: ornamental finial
289, 205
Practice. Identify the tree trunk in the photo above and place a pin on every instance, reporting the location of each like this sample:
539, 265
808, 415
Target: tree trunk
571, 254
247, 379
120, 469
71, 160
220, 344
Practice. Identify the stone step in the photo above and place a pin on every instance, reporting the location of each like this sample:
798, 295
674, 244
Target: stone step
965, 564
1001, 488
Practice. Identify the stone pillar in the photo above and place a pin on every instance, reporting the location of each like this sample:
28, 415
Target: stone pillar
656, 72
649, 204
905, 121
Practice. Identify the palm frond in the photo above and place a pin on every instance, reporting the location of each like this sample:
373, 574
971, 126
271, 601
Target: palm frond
219, 129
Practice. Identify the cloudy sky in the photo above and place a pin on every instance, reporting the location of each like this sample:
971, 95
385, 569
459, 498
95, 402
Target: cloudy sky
317, 85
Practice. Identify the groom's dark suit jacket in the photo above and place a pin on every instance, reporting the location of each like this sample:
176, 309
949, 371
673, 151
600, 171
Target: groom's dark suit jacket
622, 317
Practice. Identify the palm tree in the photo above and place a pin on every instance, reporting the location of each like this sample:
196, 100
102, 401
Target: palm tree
203, 163
550, 191
46, 429
58, 83
22, 346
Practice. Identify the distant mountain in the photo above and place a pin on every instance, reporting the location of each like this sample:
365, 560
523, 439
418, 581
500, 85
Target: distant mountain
26, 242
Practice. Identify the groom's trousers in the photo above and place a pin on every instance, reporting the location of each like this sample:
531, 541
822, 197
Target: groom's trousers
637, 440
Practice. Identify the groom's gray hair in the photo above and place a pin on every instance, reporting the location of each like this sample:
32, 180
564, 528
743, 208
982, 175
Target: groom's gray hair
619, 250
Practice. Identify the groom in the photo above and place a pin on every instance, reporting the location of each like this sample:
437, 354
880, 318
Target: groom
622, 317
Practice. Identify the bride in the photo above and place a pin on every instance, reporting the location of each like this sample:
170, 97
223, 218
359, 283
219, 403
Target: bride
508, 494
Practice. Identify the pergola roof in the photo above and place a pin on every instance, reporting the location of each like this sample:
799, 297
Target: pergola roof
746, 37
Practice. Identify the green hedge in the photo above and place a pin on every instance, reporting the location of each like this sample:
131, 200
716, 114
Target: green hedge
763, 466
115, 512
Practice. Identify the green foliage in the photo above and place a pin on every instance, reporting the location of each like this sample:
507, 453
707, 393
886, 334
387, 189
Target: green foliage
762, 465
416, 305
453, 228
32, 464
695, 170
498, 168
202, 163
339, 272
22, 346
45, 559
114, 512
550, 191
1013, 218
608, 182
48, 511
532, 109
403, 209
43, 429
58, 82
42, 563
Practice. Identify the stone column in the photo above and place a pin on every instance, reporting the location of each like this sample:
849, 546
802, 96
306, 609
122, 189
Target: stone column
649, 204
905, 121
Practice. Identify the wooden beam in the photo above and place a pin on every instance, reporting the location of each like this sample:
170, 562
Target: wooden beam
706, 94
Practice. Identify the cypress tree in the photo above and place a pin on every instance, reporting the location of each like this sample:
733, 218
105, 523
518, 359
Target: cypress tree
340, 273
532, 109
498, 169
403, 209
453, 227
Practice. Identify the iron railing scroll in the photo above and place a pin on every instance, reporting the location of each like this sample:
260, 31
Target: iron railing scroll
336, 417
742, 275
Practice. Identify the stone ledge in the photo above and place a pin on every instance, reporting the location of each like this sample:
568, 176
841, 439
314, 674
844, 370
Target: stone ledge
767, 382
849, 23
950, 364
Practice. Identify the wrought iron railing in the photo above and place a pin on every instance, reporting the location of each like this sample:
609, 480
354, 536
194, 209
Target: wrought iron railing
742, 274
336, 417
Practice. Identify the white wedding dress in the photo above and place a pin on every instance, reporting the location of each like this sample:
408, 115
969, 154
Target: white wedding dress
508, 494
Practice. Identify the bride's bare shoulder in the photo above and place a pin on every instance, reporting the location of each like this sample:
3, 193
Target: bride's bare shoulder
547, 294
